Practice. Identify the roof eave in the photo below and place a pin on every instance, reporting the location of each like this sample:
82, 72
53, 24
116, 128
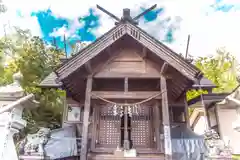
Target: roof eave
209, 98
50, 86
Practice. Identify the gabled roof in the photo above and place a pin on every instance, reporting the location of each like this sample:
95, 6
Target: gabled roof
204, 84
220, 98
51, 81
161, 50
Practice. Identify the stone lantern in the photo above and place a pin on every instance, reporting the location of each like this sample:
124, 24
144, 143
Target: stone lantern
12, 102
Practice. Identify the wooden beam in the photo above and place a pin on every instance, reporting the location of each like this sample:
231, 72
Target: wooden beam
186, 111
126, 145
94, 128
65, 109
88, 67
164, 68
144, 52
125, 84
157, 125
124, 95
166, 120
129, 75
85, 119
108, 50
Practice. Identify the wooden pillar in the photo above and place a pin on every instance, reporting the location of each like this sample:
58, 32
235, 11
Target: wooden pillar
166, 121
85, 119
186, 112
94, 128
125, 84
126, 138
157, 125
65, 109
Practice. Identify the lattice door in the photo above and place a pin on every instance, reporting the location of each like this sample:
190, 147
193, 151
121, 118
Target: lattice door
142, 136
109, 128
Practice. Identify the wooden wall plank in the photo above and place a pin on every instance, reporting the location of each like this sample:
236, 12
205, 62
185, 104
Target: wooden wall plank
129, 62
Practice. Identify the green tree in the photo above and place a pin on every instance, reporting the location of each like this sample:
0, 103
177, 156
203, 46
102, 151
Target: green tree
3, 8
1, 62
221, 69
35, 60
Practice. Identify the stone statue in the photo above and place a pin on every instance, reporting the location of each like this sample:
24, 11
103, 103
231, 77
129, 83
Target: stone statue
34, 143
216, 147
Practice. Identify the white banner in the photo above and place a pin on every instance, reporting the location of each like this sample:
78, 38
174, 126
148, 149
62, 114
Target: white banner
167, 140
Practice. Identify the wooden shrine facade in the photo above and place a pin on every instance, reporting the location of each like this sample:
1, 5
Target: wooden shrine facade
131, 88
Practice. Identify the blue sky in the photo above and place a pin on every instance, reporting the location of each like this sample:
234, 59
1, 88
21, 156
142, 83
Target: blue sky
211, 23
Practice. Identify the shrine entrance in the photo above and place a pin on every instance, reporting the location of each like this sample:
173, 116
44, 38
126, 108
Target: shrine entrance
126, 127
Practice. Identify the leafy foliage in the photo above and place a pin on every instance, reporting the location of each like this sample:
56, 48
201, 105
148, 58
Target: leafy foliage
221, 69
3, 8
1, 63
35, 60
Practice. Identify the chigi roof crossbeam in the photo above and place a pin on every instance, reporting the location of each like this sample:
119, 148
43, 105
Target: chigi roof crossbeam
126, 17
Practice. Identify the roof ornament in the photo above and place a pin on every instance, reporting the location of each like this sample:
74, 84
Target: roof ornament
126, 17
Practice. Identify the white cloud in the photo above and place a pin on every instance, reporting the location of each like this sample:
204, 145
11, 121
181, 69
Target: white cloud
207, 32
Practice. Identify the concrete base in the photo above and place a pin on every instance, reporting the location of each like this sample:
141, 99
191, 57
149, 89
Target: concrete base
118, 153
130, 153
33, 157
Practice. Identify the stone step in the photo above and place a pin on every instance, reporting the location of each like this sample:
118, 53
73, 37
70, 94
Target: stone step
92, 156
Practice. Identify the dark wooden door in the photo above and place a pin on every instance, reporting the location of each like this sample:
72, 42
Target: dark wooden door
142, 128
108, 129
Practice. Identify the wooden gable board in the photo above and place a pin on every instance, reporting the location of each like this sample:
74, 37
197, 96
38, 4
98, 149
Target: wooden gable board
128, 55
128, 62
175, 60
